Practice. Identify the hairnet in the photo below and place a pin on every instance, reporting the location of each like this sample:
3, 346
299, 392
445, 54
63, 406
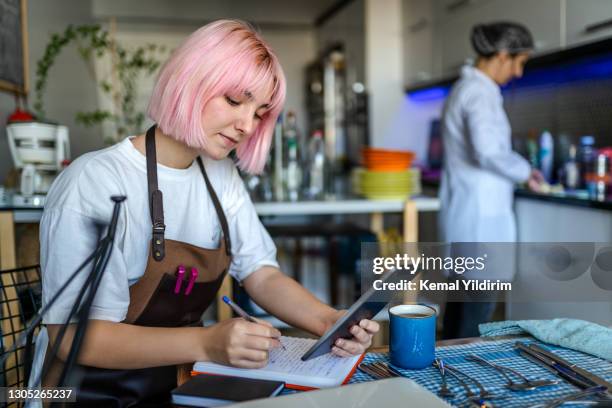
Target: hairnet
489, 39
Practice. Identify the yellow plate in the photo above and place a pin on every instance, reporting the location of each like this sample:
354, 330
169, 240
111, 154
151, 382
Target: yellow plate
386, 196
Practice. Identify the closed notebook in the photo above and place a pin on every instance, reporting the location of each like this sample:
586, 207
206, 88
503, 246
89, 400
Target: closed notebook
215, 390
286, 365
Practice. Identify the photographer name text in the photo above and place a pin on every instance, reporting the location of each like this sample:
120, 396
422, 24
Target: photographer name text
427, 285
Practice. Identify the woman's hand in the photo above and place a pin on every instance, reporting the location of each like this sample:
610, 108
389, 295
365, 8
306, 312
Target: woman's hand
361, 340
536, 181
240, 343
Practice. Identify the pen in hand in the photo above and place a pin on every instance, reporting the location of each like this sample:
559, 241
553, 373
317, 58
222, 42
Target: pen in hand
240, 312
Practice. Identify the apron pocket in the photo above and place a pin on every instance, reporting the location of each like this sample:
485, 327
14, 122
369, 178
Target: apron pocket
167, 309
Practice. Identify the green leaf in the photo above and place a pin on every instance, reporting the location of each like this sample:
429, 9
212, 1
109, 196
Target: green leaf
93, 118
93, 40
106, 86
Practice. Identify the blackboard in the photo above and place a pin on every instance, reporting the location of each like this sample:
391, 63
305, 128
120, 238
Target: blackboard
13, 46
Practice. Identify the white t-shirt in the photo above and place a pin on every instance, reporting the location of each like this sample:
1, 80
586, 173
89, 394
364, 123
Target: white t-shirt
78, 208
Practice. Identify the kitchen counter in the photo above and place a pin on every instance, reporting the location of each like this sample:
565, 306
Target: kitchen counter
565, 199
578, 199
32, 213
343, 206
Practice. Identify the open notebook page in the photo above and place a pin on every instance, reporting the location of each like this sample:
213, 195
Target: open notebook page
286, 365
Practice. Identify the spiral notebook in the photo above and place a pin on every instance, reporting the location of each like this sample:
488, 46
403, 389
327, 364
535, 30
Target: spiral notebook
286, 365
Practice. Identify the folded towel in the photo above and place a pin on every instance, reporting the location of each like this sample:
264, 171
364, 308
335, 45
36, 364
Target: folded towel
574, 334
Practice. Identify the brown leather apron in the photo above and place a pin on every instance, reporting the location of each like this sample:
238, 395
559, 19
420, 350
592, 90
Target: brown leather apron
154, 303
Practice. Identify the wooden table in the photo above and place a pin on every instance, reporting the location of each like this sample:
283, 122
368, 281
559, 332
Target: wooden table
9, 216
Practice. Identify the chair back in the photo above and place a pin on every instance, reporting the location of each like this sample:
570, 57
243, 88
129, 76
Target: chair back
20, 300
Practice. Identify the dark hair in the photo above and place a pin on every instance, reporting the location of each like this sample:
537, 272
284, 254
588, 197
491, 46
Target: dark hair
489, 39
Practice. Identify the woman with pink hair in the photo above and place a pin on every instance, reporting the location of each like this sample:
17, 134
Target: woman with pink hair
186, 223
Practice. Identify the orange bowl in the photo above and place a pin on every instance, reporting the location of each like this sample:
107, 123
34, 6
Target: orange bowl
388, 154
371, 151
386, 157
387, 167
387, 164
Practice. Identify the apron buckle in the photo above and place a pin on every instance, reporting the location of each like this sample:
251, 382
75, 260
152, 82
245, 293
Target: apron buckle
158, 241
158, 233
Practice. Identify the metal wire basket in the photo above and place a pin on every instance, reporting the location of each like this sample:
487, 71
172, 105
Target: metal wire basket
20, 299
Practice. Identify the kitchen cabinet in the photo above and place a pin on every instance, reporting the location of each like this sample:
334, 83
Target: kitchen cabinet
455, 19
454, 22
588, 20
548, 222
437, 33
542, 17
418, 30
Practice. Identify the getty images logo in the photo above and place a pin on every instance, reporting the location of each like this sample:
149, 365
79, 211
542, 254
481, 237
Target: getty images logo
569, 261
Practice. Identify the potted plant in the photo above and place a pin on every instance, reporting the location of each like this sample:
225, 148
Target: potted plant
93, 42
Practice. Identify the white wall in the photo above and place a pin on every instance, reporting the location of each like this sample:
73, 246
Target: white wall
69, 86
276, 12
295, 47
409, 128
347, 27
384, 69
286, 27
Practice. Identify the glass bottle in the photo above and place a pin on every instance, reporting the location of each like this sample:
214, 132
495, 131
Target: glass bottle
316, 166
571, 170
587, 161
292, 170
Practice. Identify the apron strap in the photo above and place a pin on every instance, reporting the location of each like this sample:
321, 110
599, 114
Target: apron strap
156, 203
218, 209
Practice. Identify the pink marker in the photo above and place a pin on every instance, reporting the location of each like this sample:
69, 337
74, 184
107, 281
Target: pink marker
180, 275
192, 279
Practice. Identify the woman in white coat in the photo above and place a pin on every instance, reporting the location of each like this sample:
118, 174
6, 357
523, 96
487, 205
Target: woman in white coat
480, 167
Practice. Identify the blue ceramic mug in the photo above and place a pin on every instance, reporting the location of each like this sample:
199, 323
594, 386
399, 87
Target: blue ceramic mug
413, 336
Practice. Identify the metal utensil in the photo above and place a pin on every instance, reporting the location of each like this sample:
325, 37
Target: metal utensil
365, 369
377, 365
596, 380
598, 403
468, 391
483, 392
525, 385
375, 371
444, 391
393, 370
561, 370
571, 397
385, 368
381, 373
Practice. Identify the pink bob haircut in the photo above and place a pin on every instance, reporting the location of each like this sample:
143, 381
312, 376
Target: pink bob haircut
223, 57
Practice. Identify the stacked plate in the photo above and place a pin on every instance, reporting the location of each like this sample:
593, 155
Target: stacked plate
388, 185
386, 160
387, 175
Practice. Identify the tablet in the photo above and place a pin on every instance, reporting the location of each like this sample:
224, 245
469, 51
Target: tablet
362, 309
